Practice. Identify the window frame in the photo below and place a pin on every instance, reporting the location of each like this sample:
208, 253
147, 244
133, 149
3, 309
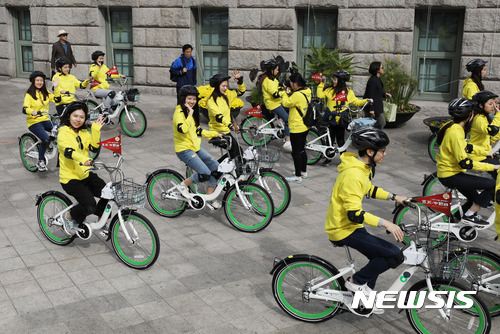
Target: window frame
19, 43
111, 46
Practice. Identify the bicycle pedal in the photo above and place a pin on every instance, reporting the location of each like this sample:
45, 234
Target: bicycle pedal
104, 233
210, 206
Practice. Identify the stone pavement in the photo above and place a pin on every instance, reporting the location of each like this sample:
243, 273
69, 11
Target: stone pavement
209, 277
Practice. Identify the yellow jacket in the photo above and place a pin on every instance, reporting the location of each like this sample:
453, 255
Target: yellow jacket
297, 100
99, 73
186, 133
329, 94
452, 151
470, 88
272, 93
352, 185
480, 138
207, 90
68, 83
72, 154
219, 114
30, 105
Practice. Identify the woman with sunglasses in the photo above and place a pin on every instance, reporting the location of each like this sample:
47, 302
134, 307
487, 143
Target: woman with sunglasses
74, 143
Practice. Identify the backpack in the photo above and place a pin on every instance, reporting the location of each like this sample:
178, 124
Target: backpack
174, 77
313, 113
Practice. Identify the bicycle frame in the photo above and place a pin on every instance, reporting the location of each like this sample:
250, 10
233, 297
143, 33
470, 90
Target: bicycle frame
313, 146
271, 131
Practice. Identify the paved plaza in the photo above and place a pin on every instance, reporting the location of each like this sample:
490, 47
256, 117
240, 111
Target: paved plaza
209, 277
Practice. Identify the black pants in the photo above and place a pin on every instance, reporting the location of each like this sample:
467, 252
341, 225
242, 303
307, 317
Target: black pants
84, 192
298, 141
337, 132
468, 185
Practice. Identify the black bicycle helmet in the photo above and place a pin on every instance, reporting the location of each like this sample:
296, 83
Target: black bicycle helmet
35, 74
475, 64
75, 105
96, 54
460, 107
342, 74
269, 64
216, 79
60, 62
188, 90
483, 96
369, 138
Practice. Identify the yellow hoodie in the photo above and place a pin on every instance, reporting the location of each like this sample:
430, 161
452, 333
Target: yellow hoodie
452, 151
99, 73
470, 88
297, 100
352, 185
186, 133
480, 138
30, 105
330, 96
67, 82
272, 93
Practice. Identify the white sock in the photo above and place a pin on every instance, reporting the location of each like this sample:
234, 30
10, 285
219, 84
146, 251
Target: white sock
469, 213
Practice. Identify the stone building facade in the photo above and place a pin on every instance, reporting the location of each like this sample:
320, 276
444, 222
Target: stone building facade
256, 30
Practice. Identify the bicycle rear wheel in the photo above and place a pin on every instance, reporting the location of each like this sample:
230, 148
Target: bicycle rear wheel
94, 112
28, 150
249, 132
432, 147
313, 156
277, 186
156, 192
143, 250
291, 288
257, 217
136, 125
47, 208
475, 319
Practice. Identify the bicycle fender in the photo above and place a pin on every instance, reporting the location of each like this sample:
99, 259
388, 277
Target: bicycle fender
149, 177
301, 257
29, 134
52, 192
115, 219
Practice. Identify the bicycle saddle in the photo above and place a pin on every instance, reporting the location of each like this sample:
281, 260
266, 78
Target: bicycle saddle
218, 142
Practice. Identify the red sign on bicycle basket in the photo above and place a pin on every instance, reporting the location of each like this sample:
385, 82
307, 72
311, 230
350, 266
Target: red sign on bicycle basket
317, 77
255, 111
439, 202
342, 96
94, 83
114, 144
112, 70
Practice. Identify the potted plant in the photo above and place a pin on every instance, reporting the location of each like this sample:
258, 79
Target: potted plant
402, 87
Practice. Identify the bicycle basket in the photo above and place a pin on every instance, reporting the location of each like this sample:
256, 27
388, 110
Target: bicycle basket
132, 95
361, 123
447, 261
246, 168
268, 154
129, 193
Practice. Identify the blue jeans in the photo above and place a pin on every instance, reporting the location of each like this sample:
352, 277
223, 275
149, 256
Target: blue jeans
201, 162
281, 112
40, 130
377, 250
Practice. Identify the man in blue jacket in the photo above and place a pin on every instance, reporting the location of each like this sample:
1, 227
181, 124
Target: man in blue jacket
184, 68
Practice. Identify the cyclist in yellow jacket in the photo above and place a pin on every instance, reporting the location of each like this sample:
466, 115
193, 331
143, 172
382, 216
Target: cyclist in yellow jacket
297, 98
345, 218
187, 130
273, 92
67, 83
219, 112
36, 109
485, 129
74, 143
474, 84
336, 96
98, 71
453, 161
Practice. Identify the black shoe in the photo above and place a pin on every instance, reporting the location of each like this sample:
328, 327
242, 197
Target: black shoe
327, 162
474, 219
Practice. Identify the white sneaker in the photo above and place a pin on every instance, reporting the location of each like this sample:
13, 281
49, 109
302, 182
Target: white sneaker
366, 291
216, 204
287, 146
69, 226
183, 189
41, 166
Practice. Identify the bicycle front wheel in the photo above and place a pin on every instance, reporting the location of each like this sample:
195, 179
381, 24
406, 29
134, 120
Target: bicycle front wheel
482, 274
135, 123
277, 186
94, 112
291, 289
142, 250
475, 319
156, 191
313, 156
254, 218
407, 218
433, 147
28, 150
47, 209
250, 134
